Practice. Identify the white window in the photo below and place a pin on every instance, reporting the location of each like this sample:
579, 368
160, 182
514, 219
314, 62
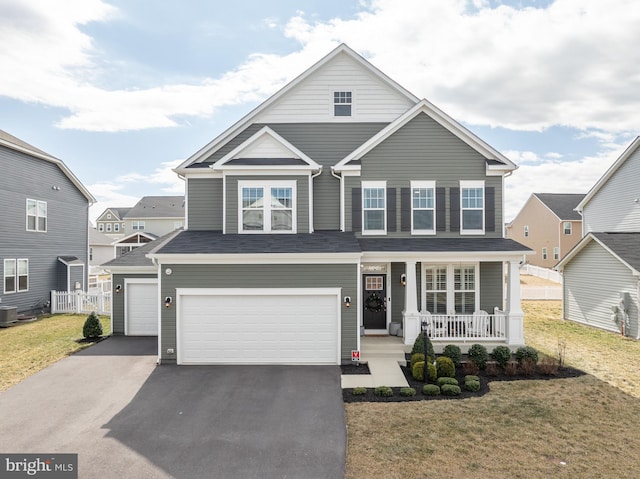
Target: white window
36, 215
137, 225
16, 275
423, 207
526, 231
108, 227
567, 227
374, 283
472, 207
101, 227
544, 253
556, 253
267, 207
374, 217
451, 288
342, 102
116, 227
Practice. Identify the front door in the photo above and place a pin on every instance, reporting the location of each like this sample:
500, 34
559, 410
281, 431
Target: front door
374, 301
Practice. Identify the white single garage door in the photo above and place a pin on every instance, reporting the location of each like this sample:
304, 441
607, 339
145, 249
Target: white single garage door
141, 309
258, 326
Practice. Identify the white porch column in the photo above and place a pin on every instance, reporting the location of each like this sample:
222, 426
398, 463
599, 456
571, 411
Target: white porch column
411, 316
515, 315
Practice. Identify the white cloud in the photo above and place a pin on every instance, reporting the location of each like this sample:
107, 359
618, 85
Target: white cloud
573, 63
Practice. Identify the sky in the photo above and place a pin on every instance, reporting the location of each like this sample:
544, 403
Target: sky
124, 91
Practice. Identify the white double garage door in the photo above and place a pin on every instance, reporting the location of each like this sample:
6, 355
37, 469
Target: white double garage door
244, 326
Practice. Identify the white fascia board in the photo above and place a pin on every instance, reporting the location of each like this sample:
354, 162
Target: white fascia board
202, 173
608, 174
241, 124
266, 170
265, 131
444, 257
262, 258
132, 270
424, 106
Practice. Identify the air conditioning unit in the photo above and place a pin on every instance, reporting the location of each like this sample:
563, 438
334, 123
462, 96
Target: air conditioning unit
8, 315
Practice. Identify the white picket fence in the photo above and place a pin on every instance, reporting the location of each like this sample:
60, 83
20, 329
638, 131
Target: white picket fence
541, 293
80, 302
541, 273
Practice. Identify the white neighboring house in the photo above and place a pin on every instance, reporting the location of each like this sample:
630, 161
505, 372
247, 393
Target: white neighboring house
602, 273
100, 250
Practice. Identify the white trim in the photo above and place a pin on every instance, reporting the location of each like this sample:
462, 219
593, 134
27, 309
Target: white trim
473, 184
128, 281
266, 200
244, 292
37, 216
374, 185
423, 185
258, 258
443, 257
450, 266
224, 204
580, 246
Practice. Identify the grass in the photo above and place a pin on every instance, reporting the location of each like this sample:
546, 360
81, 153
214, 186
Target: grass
29, 348
562, 428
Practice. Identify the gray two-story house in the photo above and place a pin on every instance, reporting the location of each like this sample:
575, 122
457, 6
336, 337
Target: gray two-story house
44, 212
343, 205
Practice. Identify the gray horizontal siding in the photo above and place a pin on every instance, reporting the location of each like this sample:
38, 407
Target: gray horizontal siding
593, 281
25, 177
117, 302
491, 286
261, 276
205, 203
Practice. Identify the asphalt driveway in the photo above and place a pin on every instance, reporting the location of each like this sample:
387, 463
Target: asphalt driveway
125, 417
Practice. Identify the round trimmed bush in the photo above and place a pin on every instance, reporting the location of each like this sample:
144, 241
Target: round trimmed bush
472, 386
418, 346
407, 392
359, 391
431, 390
383, 391
526, 354
452, 351
471, 377
451, 381
418, 371
478, 354
416, 358
501, 355
450, 390
432, 373
445, 367
92, 327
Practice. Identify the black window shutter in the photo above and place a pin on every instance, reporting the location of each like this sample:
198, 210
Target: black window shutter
454, 210
441, 209
405, 209
391, 210
490, 209
356, 209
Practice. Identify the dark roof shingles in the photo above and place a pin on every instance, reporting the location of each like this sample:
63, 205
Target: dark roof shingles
625, 245
562, 204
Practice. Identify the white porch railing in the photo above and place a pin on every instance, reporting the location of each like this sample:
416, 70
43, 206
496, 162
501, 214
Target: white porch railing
80, 302
466, 327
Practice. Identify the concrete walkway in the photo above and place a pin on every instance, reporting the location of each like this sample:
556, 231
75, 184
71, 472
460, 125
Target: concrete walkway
384, 355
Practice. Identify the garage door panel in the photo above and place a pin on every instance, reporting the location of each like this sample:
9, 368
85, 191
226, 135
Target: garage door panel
142, 309
278, 328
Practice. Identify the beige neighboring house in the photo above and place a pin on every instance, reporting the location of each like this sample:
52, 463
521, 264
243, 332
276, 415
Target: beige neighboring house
548, 224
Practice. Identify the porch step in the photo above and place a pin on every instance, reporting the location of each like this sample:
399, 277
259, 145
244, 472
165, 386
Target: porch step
383, 347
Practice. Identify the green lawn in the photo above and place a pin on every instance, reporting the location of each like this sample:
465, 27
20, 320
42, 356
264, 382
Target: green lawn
29, 348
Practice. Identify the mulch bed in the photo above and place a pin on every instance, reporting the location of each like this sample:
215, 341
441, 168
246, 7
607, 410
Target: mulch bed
355, 368
92, 340
485, 380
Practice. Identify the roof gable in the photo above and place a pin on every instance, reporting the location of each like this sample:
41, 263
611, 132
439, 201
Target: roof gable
622, 246
498, 161
563, 205
251, 117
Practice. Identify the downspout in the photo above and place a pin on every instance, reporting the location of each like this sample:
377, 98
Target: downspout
638, 309
341, 178
159, 275
311, 202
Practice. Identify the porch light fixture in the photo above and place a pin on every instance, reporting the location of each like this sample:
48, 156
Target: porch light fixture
347, 301
118, 288
403, 279
167, 302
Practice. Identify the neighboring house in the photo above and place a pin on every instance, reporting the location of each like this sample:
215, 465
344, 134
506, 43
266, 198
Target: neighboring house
111, 222
157, 215
100, 250
549, 225
44, 212
601, 275
343, 205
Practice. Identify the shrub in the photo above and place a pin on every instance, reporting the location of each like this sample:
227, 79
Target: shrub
92, 327
383, 391
442, 381
525, 353
407, 392
359, 391
418, 371
478, 354
431, 390
450, 390
471, 377
511, 369
472, 386
452, 351
501, 355
527, 367
445, 367
416, 358
470, 368
549, 366
432, 372
492, 369
418, 346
